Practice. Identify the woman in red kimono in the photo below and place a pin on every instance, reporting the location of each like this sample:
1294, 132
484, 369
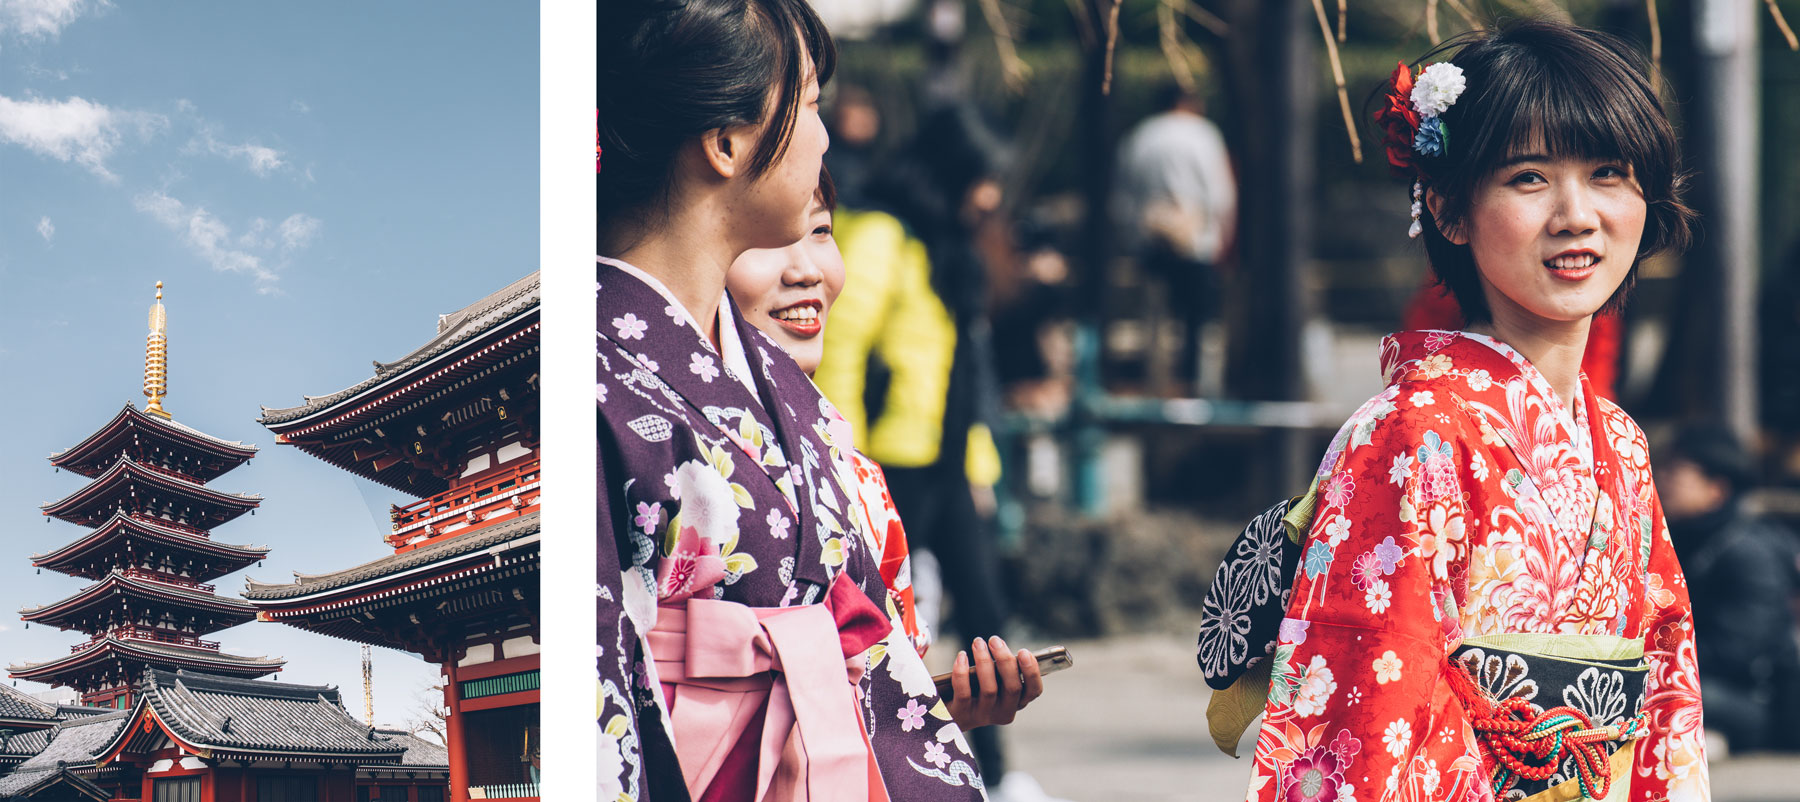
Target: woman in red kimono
1488, 605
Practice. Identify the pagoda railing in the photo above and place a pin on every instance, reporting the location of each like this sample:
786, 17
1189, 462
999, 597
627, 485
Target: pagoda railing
147, 634
104, 692
469, 505
171, 472
167, 579
185, 529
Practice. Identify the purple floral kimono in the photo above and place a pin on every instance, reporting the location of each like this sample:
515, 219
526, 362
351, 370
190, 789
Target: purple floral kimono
694, 469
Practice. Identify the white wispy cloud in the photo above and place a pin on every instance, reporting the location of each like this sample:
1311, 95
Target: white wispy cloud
260, 159
211, 238
73, 130
43, 18
298, 230
43, 73
257, 235
301, 107
45, 228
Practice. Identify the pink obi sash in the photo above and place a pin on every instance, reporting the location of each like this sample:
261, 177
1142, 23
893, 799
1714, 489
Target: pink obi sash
723, 663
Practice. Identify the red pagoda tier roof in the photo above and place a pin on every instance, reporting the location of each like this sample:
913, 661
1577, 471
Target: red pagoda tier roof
499, 333
140, 434
93, 555
102, 498
141, 648
212, 612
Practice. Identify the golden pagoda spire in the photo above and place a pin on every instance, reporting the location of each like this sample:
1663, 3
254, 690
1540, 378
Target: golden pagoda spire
156, 357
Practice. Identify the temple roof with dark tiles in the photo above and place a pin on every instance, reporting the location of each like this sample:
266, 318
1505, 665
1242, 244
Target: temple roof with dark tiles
224, 713
29, 784
420, 753
76, 742
395, 563
23, 745
17, 705
453, 330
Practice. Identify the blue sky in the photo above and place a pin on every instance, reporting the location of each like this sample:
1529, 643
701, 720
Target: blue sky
315, 184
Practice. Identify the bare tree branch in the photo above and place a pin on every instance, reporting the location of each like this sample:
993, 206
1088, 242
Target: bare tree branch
1781, 22
1083, 25
1655, 47
1169, 37
430, 717
1206, 19
1431, 25
1466, 13
1112, 41
1550, 9
1012, 68
1337, 72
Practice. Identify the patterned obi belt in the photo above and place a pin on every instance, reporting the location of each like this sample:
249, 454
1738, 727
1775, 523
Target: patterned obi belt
727, 667
1556, 715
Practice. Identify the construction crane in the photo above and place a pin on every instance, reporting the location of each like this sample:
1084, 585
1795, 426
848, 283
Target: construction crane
368, 687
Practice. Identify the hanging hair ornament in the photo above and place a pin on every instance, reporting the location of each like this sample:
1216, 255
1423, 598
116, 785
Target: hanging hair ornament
1412, 128
1418, 196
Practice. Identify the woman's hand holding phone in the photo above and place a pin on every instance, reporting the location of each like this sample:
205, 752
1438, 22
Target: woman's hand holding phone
994, 686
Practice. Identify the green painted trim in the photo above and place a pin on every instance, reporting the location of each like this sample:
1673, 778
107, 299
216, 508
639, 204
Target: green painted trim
494, 686
1598, 650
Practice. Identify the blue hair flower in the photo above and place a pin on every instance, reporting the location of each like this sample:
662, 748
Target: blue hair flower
1433, 138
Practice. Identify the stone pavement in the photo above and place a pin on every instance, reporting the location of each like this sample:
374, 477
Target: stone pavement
1128, 724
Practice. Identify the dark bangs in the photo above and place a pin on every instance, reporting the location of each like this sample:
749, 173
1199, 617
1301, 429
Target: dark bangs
1551, 89
672, 70
798, 17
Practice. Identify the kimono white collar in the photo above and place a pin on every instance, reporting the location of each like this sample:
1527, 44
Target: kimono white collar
737, 362
1574, 410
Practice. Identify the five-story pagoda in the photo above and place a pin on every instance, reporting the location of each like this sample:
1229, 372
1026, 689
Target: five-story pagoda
148, 548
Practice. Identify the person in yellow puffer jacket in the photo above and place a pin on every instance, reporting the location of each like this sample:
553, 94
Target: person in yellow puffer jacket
898, 369
893, 314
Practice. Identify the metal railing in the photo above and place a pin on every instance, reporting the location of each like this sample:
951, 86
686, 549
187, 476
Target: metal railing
506, 791
469, 504
167, 579
170, 472
146, 634
185, 529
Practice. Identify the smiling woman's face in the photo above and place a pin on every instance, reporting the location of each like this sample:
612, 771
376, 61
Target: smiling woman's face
787, 292
1553, 238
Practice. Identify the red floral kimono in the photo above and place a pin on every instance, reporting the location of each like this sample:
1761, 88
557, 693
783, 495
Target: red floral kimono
1462, 503
887, 538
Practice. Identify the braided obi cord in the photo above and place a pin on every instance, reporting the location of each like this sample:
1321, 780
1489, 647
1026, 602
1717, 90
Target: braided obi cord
1522, 741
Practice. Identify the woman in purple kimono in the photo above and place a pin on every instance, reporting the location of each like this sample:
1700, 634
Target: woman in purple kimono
746, 647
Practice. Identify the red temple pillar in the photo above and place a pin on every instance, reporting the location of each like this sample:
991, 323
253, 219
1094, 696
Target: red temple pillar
453, 734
